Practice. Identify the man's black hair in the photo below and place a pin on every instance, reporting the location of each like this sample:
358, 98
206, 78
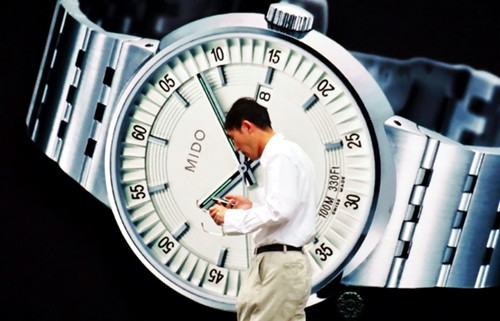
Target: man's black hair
247, 108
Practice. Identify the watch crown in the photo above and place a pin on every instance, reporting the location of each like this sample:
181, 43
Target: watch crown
289, 16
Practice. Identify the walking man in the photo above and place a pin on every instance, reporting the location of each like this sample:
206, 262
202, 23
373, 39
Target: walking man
282, 219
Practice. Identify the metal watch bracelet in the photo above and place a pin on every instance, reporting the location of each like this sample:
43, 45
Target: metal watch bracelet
444, 226
445, 222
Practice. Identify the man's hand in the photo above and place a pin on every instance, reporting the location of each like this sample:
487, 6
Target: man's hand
217, 213
239, 202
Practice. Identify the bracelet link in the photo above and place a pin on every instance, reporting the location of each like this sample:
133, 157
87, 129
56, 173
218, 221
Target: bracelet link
83, 73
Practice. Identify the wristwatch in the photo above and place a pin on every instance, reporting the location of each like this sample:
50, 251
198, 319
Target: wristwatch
406, 152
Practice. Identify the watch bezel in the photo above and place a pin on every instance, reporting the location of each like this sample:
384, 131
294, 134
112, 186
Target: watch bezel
374, 106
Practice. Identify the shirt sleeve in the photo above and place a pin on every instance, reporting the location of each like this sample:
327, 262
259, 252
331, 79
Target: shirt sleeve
281, 198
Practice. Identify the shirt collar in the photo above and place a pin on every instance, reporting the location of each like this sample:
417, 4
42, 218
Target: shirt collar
270, 146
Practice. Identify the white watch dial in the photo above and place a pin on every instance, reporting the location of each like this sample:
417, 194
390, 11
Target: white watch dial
171, 155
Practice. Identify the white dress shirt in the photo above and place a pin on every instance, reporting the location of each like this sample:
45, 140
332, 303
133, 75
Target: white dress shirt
285, 209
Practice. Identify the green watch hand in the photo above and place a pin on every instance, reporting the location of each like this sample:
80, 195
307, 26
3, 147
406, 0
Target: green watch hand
206, 202
244, 164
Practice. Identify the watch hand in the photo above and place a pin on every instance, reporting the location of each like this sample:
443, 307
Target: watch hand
243, 162
214, 103
206, 202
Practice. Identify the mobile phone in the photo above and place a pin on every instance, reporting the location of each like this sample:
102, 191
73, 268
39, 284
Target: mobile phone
223, 201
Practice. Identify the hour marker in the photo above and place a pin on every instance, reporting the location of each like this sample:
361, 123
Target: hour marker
222, 76
180, 231
333, 145
269, 75
158, 188
158, 140
180, 98
264, 95
310, 102
222, 257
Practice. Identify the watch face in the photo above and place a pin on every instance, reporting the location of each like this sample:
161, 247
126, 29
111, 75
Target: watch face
169, 154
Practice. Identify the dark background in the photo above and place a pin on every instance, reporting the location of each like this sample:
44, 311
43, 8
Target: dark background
62, 255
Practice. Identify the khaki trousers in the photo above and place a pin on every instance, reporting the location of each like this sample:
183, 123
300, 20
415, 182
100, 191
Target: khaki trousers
276, 288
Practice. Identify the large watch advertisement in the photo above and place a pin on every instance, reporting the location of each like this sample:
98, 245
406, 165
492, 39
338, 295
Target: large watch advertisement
65, 256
